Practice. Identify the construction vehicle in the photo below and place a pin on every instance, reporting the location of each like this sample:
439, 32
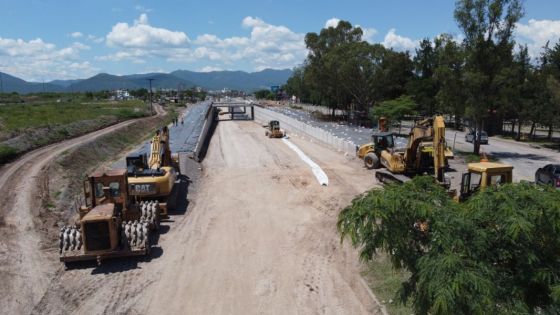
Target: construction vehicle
422, 157
419, 151
153, 178
482, 175
111, 223
273, 130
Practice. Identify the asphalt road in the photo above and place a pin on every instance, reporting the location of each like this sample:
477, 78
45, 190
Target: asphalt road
524, 158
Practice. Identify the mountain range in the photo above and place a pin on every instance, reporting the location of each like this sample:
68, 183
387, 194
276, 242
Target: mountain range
215, 80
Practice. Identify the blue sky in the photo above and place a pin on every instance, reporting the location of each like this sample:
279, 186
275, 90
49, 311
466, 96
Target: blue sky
75, 39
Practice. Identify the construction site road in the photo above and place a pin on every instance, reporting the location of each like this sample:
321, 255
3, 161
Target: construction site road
26, 269
258, 237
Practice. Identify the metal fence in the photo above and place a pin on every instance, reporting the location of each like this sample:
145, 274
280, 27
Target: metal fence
294, 126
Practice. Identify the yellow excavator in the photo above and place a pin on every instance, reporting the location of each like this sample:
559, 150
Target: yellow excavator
419, 151
153, 178
415, 159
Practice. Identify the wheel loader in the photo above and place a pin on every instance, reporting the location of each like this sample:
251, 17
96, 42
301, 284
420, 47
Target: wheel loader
273, 130
111, 223
153, 178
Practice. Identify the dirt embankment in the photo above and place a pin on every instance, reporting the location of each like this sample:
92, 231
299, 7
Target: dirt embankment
259, 237
29, 189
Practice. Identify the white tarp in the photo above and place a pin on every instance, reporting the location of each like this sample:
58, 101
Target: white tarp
317, 171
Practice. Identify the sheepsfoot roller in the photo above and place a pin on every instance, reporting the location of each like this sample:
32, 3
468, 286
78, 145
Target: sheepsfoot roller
112, 224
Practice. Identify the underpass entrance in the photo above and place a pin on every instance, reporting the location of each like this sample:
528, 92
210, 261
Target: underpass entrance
233, 111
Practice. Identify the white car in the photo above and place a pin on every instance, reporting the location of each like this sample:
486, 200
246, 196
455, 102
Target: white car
469, 137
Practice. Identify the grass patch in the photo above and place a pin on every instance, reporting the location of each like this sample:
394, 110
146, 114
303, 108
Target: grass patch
385, 281
17, 117
7, 153
473, 158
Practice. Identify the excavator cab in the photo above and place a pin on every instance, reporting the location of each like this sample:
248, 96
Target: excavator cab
383, 140
482, 175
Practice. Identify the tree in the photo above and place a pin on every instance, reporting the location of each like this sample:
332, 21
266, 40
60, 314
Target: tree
395, 110
488, 27
497, 253
450, 97
423, 86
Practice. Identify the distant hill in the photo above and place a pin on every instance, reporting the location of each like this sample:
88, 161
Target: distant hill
236, 80
215, 80
65, 83
13, 84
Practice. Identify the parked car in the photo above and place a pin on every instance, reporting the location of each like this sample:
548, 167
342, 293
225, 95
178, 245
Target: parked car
469, 137
548, 175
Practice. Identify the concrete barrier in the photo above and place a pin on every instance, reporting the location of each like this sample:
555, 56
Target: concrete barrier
294, 126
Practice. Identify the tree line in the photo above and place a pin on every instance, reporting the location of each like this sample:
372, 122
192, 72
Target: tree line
485, 78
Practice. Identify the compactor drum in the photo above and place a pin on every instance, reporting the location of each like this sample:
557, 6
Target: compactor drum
111, 223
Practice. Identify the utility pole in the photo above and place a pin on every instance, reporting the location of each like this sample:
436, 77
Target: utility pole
151, 102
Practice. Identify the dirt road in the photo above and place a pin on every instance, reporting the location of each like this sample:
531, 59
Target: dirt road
259, 237
26, 263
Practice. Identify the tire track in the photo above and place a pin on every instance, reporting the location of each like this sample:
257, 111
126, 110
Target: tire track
25, 269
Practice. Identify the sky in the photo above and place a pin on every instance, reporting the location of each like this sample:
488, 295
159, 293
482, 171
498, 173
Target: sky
69, 39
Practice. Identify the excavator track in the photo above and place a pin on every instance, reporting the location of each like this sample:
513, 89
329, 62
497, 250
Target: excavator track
386, 177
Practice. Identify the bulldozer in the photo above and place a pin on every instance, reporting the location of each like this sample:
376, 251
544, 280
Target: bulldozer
111, 224
273, 130
419, 151
153, 178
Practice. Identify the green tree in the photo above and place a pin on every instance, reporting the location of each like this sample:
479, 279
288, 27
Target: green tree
450, 97
488, 27
495, 254
395, 110
423, 86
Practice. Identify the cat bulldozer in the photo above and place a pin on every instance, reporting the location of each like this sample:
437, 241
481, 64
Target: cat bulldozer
153, 178
482, 175
111, 224
273, 130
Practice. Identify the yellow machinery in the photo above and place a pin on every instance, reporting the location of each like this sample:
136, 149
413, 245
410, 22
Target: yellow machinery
273, 130
153, 178
482, 175
111, 223
416, 157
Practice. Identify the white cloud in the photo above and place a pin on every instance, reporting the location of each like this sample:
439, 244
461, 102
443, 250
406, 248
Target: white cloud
36, 60
267, 46
209, 69
333, 22
368, 34
398, 42
76, 35
536, 33
143, 35
142, 8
